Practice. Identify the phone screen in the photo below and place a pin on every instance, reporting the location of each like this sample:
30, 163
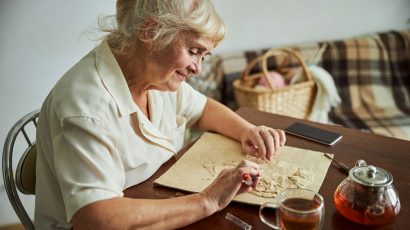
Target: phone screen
313, 133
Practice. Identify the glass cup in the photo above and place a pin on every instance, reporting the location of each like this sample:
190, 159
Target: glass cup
296, 209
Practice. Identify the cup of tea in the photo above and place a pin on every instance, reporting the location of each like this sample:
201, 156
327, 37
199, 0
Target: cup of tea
296, 209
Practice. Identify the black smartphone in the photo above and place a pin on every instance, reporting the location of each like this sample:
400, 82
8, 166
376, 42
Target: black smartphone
313, 133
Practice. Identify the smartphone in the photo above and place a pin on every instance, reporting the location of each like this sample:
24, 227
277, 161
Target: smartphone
313, 133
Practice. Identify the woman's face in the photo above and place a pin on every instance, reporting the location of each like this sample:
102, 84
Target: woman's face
180, 60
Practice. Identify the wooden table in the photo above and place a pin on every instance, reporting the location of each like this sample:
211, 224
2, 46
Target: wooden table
388, 153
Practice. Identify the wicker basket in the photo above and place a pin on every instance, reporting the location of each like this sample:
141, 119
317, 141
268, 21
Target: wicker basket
295, 100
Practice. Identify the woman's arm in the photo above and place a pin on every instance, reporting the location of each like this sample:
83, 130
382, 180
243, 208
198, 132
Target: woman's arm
128, 213
219, 118
260, 141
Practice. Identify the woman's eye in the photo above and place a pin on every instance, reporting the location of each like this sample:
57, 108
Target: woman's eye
198, 53
193, 52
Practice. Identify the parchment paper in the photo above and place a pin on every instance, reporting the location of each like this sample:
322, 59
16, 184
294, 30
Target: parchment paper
189, 173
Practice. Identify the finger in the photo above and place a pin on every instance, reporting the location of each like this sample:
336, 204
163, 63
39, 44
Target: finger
255, 181
260, 144
249, 149
249, 173
276, 140
244, 189
254, 170
248, 167
282, 137
269, 141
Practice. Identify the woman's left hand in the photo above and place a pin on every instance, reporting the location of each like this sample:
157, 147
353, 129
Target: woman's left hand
262, 142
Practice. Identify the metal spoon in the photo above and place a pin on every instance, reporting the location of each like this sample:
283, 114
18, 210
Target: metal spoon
342, 166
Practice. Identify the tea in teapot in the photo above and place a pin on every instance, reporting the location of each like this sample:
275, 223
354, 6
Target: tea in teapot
367, 196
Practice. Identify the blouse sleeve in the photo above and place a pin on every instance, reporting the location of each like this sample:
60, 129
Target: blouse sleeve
190, 103
89, 167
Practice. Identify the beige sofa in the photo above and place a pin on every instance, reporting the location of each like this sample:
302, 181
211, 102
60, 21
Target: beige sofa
371, 74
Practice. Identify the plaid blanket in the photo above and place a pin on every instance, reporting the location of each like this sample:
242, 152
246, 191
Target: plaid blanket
371, 73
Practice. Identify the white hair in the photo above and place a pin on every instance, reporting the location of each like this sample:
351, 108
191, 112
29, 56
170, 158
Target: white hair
170, 17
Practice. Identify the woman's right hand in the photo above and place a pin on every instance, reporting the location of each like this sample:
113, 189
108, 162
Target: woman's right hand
229, 183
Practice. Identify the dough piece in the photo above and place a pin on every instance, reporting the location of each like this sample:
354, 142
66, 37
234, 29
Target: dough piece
302, 178
276, 176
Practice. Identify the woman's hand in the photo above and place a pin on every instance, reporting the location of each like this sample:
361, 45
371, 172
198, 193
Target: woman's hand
262, 142
229, 183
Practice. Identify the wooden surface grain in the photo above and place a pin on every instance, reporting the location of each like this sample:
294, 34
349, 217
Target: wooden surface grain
388, 153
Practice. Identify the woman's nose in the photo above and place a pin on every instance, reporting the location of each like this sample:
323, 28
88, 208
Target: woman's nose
196, 66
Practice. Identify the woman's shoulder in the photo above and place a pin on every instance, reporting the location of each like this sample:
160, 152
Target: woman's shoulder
80, 91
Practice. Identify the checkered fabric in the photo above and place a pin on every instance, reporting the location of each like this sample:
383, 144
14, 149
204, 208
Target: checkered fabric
371, 73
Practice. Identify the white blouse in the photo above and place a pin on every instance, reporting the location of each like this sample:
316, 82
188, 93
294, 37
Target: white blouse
94, 142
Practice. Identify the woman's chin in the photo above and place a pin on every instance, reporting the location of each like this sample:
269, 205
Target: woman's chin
172, 86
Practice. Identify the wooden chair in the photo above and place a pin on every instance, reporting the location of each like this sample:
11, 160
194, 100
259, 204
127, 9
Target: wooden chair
24, 177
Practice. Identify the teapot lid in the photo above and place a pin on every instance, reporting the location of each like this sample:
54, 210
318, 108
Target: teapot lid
370, 175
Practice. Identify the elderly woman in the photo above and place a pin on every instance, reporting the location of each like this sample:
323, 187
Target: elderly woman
115, 117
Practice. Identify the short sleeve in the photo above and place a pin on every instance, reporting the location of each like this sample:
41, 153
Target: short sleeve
190, 103
87, 164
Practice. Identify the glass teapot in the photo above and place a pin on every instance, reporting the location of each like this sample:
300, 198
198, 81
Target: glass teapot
367, 196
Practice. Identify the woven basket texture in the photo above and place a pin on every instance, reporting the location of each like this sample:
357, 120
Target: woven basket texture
295, 100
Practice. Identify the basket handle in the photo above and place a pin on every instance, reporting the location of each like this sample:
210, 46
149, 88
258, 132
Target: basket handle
264, 58
246, 78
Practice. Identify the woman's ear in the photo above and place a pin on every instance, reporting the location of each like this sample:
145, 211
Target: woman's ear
148, 32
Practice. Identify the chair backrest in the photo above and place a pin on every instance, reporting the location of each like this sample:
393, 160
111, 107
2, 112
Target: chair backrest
24, 177
26, 171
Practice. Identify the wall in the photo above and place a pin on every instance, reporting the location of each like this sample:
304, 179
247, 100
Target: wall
264, 23
40, 40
